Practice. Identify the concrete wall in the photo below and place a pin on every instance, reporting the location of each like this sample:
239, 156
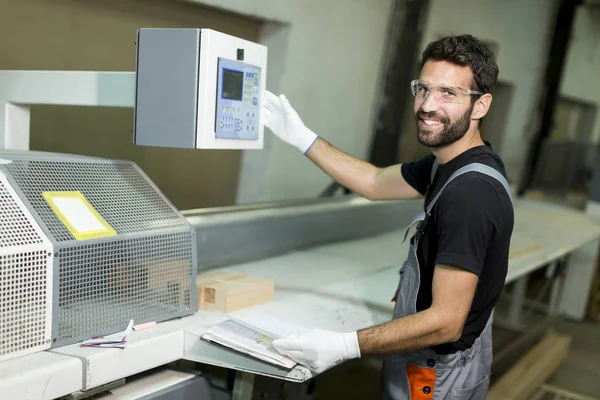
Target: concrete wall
581, 80
328, 61
325, 56
521, 30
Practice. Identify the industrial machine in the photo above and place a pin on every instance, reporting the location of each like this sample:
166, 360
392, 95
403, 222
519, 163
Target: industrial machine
87, 245
198, 88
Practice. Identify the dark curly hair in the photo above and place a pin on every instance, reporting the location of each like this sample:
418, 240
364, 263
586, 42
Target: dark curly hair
466, 51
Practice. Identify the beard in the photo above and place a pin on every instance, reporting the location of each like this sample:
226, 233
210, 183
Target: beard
451, 132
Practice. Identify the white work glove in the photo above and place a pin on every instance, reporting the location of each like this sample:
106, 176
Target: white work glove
319, 350
285, 123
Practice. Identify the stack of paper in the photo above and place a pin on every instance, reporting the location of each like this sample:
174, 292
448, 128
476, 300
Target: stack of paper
249, 340
118, 340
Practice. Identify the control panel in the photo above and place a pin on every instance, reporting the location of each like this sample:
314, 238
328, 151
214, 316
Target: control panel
238, 100
198, 89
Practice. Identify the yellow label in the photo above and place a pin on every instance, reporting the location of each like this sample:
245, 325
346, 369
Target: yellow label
78, 215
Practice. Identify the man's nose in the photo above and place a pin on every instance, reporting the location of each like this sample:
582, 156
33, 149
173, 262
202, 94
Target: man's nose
429, 103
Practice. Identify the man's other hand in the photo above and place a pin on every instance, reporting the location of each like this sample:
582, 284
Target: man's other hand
317, 349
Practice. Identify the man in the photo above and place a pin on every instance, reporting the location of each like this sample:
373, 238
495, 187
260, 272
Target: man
438, 345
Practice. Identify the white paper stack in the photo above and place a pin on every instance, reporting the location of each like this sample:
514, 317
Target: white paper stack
118, 340
249, 340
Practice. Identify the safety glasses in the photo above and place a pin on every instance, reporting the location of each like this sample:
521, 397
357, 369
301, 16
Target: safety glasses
441, 93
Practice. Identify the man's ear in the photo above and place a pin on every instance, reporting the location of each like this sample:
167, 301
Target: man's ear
481, 106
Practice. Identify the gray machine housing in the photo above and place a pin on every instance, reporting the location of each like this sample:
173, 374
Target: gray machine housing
147, 272
167, 79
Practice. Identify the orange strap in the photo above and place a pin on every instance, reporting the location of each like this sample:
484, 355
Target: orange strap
421, 382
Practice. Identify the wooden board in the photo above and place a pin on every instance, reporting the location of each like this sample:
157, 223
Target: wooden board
532, 370
231, 291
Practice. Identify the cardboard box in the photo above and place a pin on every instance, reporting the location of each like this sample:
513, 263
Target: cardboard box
230, 291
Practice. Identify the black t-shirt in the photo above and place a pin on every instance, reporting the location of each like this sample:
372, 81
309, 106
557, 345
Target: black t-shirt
470, 227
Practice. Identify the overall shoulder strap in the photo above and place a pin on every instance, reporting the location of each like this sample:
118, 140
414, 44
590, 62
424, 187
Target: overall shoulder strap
434, 169
474, 167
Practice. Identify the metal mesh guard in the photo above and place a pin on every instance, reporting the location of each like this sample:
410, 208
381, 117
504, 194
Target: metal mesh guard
23, 302
15, 228
117, 190
104, 285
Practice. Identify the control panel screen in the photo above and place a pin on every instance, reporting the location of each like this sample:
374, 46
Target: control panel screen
233, 82
238, 100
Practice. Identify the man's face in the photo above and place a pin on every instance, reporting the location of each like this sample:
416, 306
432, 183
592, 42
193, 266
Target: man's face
441, 122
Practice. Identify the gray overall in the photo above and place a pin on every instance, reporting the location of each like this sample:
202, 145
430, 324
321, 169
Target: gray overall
423, 374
